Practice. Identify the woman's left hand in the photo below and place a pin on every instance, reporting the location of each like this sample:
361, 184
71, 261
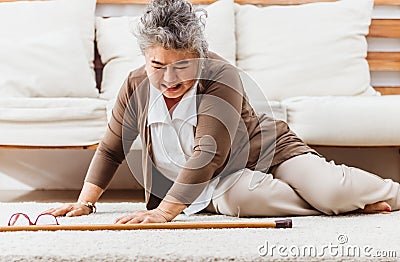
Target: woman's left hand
144, 216
167, 210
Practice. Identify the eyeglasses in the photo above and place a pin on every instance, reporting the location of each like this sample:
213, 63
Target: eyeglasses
21, 219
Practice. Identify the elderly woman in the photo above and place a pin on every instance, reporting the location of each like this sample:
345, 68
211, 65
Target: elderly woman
204, 148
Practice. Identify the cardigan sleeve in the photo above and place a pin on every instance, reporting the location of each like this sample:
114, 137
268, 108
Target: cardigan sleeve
218, 117
121, 132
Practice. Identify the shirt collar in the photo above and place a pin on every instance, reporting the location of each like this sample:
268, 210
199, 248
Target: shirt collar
157, 111
185, 110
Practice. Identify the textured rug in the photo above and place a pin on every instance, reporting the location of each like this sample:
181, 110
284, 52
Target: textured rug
340, 238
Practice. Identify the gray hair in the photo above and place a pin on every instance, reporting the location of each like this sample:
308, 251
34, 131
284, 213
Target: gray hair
173, 24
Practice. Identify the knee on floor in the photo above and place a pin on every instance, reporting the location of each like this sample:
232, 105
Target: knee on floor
332, 201
251, 203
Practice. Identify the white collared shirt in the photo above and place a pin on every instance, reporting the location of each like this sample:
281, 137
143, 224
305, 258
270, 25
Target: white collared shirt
173, 139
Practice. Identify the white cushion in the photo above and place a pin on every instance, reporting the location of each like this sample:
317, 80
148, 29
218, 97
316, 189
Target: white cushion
121, 54
52, 121
258, 100
312, 49
49, 65
345, 121
32, 21
275, 109
220, 29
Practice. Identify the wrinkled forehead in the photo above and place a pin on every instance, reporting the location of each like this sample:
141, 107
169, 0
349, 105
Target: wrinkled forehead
162, 56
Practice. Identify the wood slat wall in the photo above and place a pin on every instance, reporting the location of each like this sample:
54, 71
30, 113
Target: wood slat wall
384, 61
386, 28
387, 90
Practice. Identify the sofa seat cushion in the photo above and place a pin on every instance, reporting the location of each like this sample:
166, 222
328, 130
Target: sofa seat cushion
345, 121
52, 121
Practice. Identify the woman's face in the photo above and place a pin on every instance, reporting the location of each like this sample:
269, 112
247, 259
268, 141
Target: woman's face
173, 72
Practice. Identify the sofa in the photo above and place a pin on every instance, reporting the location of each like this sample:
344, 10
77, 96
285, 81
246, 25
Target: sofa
305, 64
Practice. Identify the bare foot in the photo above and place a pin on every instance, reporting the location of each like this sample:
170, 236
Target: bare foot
376, 208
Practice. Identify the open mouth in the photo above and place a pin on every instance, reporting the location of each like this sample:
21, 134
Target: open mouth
173, 87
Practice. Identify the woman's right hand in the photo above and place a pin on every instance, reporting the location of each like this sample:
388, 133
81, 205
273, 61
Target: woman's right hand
69, 210
89, 193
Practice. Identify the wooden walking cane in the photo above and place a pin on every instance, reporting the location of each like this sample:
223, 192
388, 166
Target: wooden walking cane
286, 223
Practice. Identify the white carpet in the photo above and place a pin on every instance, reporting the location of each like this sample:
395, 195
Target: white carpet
351, 237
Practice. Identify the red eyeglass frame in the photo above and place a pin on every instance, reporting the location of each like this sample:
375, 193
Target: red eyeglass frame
16, 215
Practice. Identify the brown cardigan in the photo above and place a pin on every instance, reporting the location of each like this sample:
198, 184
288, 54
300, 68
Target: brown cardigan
229, 136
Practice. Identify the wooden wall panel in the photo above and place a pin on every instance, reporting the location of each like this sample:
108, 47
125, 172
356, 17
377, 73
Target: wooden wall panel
388, 90
384, 61
387, 28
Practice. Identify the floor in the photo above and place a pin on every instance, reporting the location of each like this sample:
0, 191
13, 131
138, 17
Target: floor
354, 237
44, 196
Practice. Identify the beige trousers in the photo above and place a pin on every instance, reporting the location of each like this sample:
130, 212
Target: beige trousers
303, 185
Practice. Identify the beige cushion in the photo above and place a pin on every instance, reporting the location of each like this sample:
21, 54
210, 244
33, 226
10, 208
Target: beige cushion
121, 54
346, 121
42, 30
52, 121
313, 49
